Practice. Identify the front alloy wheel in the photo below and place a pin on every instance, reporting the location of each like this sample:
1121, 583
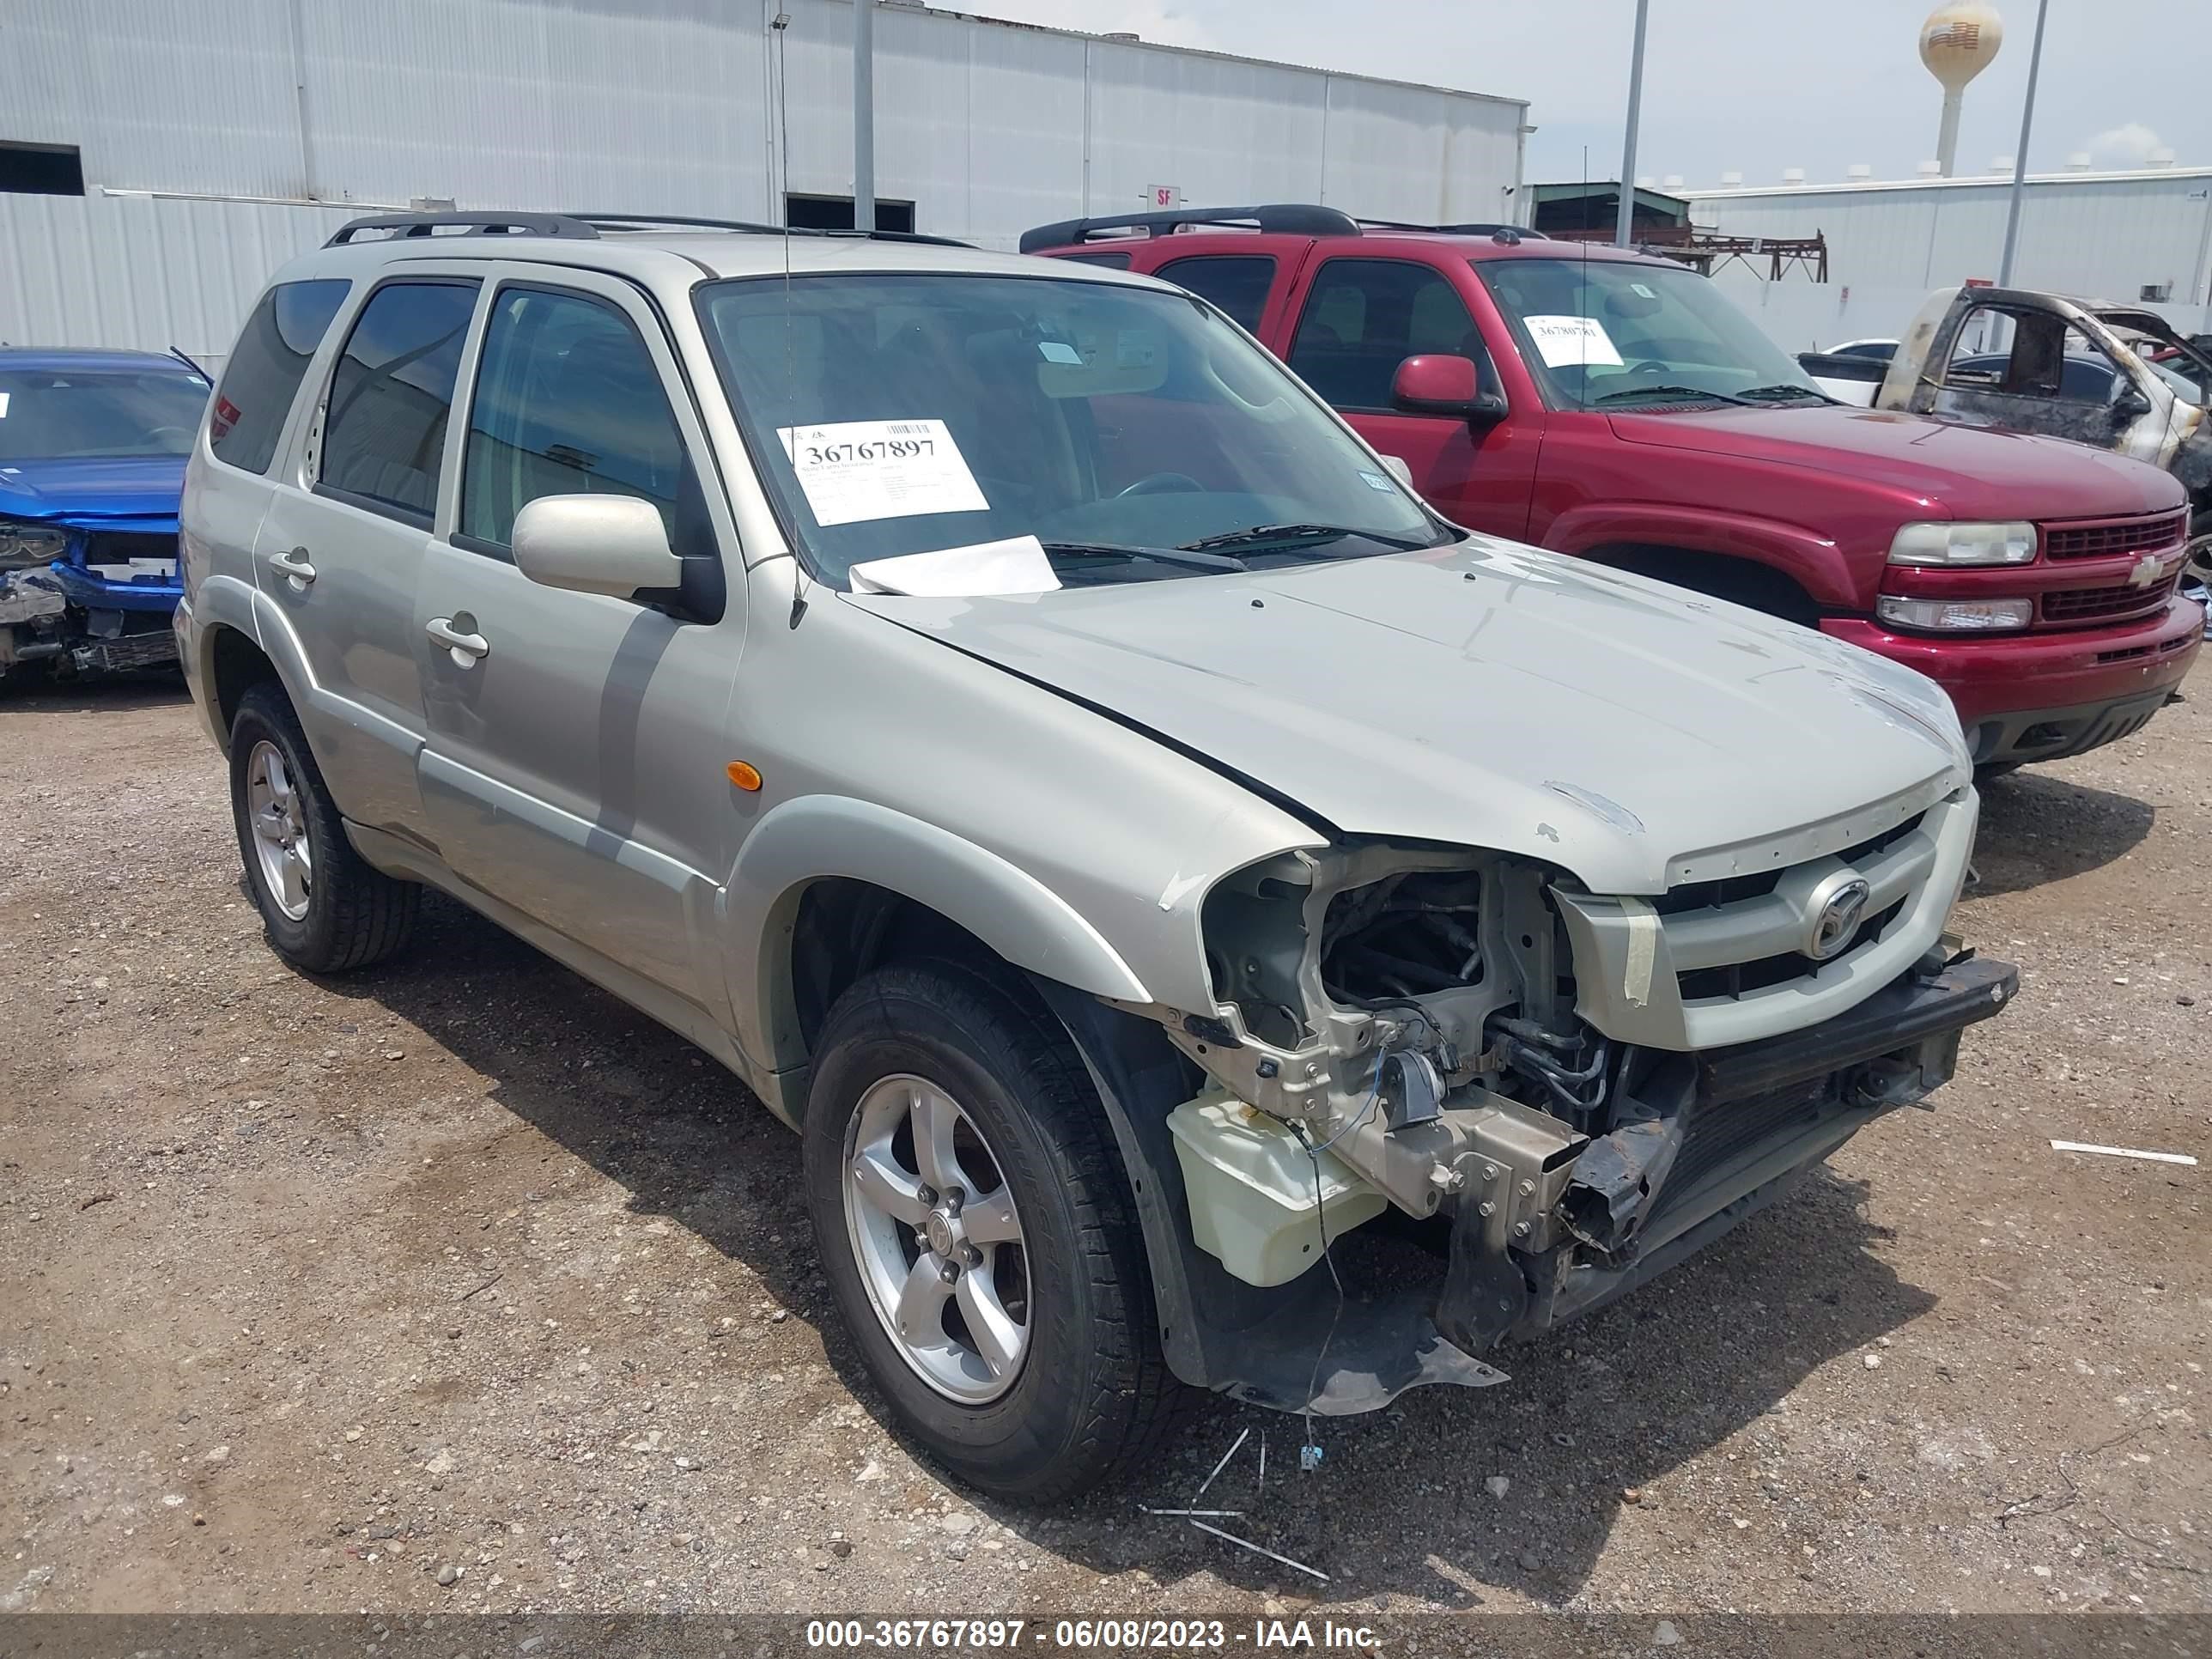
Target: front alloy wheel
938, 1239
978, 1231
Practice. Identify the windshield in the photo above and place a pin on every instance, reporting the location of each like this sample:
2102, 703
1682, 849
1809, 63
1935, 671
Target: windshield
1605, 330
905, 413
68, 414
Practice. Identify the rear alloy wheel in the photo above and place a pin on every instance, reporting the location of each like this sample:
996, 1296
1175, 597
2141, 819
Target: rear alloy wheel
325, 908
978, 1232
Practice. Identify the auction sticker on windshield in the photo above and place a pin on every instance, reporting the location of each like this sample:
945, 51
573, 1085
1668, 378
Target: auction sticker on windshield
1564, 342
856, 471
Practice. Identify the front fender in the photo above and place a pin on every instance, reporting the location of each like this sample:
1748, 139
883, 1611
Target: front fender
1813, 561
812, 838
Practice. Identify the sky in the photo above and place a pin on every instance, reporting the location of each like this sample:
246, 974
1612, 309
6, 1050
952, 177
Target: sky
1748, 85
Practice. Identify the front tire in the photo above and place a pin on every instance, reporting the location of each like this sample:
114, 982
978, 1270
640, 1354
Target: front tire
1031, 1369
324, 908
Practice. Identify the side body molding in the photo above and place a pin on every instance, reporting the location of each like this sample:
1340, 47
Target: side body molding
810, 837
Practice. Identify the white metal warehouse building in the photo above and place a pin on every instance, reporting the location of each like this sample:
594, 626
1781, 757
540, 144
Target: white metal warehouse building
2144, 235
157, 162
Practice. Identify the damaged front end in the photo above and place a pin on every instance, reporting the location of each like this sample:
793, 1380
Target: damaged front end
87, 596
1559, 1093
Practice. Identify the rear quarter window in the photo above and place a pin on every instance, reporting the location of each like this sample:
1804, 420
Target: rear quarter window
259, 383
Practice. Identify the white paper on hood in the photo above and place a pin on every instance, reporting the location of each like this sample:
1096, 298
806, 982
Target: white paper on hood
1017, 565
853, 471
1564, 342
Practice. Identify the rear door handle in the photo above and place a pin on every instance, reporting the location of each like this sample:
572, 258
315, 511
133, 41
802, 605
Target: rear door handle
466, 647
295, 568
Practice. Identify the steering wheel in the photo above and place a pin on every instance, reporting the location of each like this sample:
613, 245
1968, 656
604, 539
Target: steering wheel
1164, 484
172, 434
1652, 366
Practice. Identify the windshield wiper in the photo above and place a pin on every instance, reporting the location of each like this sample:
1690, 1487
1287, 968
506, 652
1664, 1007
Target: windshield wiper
1697, 391
1298, 533
1187, 558
1782, 393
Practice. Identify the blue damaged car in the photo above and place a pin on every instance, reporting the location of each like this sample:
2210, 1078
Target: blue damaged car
92, 464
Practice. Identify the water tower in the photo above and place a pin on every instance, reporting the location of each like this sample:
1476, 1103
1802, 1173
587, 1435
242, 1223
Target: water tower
1957, 43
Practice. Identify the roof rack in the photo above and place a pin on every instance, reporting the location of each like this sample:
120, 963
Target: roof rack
467, 224
598, 221
587, 227
1291, 218
1479, 229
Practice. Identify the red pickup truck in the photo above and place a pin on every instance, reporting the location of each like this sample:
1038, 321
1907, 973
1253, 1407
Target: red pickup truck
1617, 407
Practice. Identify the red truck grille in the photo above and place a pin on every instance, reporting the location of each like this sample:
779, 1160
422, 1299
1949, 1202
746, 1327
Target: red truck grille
2079, 604
2089, 541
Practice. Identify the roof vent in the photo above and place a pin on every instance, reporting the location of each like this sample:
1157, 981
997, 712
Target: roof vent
1858, 170
1731, 180
1121, 34
1931, 169
2080, 162
1647, 181
2159, 158
1793, 175
1672, 181
2001, 163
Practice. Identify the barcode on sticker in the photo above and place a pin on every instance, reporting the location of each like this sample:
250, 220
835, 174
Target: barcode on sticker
909, 429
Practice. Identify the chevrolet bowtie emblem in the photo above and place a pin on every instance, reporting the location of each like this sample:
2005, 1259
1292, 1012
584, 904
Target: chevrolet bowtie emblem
2145, 570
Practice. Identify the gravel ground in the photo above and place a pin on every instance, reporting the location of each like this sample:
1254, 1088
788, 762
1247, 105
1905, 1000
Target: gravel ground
457, 1286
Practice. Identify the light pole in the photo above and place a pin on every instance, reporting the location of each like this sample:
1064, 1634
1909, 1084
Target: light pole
2020, 157
864, 115
1623, 226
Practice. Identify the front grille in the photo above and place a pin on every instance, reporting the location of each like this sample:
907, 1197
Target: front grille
1727, 889
1734, 979
2077, 604
1717, 1135
121, 546
2090, 541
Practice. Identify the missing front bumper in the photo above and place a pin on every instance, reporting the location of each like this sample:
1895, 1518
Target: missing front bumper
1747, 1121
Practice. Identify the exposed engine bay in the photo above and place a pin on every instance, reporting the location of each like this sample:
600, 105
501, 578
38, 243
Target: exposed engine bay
1406, 1019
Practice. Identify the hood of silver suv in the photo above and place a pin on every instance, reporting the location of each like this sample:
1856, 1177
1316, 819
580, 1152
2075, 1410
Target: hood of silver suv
1489, 695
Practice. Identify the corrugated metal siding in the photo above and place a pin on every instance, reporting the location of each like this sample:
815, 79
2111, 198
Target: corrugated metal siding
2106, 237
640, 105
193, 94
130, 271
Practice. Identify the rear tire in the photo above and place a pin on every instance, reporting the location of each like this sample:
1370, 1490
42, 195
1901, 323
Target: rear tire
1090, 1392
324, 908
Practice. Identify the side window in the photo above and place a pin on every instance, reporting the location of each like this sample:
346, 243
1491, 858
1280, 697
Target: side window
383, 438
568, 403
2044, 360
266, 368
1237, 282
1364, 317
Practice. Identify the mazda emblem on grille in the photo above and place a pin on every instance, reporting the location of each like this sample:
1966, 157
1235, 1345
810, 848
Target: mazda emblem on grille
1834, 910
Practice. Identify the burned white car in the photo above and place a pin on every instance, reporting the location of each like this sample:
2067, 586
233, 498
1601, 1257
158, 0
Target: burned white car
993, 708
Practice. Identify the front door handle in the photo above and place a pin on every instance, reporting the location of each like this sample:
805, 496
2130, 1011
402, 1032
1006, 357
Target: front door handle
294, 567
456, 633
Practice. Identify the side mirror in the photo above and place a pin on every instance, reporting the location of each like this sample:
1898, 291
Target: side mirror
2129, 406
1436, 383
611, 544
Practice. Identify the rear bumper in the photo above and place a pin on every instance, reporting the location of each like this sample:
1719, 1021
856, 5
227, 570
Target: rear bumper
2039, 697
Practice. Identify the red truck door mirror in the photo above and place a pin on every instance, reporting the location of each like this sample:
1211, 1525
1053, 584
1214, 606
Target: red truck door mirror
1438, 384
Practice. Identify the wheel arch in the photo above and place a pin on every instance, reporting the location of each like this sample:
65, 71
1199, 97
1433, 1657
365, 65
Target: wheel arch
235, 663
1739, 579
824, 886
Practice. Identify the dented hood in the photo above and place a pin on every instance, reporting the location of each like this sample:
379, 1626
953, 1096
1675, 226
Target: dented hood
1488, 695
